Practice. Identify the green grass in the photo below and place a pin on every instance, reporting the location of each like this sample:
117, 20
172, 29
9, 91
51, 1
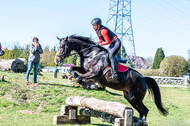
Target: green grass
35, 105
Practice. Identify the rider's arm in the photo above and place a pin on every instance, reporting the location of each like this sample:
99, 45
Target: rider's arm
100, 41
104, 33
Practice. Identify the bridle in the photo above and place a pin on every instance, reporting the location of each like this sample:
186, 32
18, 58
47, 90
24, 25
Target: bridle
64, 53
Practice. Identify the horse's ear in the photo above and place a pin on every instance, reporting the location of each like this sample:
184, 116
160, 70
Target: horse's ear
66, 38
58, 38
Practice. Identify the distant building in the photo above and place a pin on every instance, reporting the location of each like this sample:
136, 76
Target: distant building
63, 69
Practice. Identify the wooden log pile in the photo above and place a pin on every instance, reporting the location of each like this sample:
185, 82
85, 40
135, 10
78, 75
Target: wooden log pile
112, 112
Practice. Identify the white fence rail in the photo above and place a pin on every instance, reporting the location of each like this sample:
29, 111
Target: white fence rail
171, 81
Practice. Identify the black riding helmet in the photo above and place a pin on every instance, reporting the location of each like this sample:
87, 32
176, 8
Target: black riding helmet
96, 21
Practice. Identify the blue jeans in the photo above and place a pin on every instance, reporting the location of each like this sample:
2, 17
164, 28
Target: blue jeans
30, 64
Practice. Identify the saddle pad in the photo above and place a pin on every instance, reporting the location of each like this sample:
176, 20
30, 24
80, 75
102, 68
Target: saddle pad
121, 67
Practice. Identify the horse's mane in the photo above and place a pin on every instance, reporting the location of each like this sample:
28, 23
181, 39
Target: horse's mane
85, 40
82, 38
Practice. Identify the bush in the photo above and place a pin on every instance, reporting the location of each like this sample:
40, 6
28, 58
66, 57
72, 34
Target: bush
173, 66
149, 72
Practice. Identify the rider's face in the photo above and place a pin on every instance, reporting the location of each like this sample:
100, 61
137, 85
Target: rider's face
95, 27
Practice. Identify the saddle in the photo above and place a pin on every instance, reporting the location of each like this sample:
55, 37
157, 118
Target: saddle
121, 64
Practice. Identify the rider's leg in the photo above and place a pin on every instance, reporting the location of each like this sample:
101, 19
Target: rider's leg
114, 48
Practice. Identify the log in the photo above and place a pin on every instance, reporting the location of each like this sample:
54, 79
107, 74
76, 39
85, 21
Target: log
16, 65
113, 108
105, 117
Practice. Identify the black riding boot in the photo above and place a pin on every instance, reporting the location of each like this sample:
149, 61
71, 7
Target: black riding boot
114, 69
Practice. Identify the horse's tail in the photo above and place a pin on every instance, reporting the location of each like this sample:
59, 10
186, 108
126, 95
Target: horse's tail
154, 89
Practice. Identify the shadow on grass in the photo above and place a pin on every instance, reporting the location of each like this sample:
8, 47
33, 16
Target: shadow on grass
70, 86
101, 125
113, 93
56, 85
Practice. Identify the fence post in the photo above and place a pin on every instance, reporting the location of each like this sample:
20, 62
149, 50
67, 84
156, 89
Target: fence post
128, 117
185, 82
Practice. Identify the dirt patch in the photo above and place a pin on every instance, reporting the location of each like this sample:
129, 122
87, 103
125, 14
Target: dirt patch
27, 112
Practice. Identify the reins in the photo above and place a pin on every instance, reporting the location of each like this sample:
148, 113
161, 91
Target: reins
76, 51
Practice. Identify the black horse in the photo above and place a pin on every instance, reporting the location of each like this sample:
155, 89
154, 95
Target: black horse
93, 63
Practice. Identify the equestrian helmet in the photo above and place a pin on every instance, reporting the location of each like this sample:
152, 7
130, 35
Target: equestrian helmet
96, 21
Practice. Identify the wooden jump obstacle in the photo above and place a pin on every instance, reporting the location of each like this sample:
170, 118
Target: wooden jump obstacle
112, 112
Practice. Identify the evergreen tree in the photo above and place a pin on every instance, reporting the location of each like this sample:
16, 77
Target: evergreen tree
26, 53
16, 52
159, 56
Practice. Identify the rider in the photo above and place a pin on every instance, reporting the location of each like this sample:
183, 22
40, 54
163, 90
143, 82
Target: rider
106, 36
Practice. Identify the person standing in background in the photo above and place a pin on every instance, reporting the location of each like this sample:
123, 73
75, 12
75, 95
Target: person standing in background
34, 59
56, 70
1, 51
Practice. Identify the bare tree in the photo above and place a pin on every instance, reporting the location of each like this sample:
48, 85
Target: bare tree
149, 61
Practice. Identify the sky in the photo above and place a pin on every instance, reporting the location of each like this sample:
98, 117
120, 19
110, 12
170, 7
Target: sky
156, 23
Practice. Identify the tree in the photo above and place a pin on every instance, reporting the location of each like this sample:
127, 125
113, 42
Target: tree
26, 53
159, 56
72, 59
148, 61
6, 55
45, 56
173, 66
16, 52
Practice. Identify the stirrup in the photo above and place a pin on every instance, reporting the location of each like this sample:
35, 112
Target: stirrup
114, 76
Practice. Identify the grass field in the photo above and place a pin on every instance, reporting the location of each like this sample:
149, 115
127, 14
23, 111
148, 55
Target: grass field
35, 105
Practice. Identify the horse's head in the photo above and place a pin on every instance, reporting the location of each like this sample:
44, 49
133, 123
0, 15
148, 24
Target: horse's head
63, 50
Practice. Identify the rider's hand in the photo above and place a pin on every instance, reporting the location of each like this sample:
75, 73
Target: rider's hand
97, 44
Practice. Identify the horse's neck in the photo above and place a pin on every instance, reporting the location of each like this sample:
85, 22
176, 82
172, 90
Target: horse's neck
76, 46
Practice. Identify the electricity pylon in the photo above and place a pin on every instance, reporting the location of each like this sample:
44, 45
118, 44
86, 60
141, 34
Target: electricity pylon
119, 20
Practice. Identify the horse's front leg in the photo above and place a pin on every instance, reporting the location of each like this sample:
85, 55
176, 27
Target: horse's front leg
88, 75
79, 69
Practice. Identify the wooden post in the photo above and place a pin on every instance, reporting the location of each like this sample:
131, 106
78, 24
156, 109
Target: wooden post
128, 117
1, 78
119, 122
73, 114
185, 82
69, 116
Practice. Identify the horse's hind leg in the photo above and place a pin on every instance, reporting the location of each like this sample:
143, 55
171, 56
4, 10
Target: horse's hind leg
137, 104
